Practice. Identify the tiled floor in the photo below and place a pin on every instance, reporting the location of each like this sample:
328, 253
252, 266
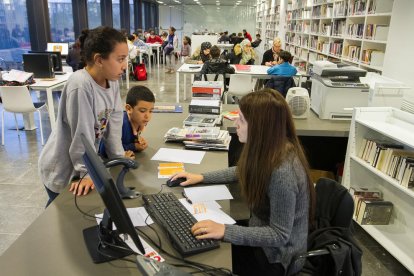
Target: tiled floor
22, 196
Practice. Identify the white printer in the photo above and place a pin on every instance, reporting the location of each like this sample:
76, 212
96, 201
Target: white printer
335, 87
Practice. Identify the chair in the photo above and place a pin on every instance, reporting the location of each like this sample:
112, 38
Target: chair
240, 85
281, 84
17, 99
332, 236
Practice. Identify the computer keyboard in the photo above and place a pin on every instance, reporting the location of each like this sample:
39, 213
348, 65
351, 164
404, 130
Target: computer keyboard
167, 211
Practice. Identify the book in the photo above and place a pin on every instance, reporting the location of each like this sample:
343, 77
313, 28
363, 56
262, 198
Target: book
17, 75
243, 68
375, 212
168, 109
231, 115
202, 120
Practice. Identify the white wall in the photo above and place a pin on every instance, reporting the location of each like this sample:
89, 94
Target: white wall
399, 57
192, 18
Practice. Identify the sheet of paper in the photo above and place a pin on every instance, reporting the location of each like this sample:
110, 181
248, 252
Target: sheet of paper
208, 193
149, 251
177, 155
208, 210
137, 215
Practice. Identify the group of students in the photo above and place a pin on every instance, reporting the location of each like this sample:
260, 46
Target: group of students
272, 170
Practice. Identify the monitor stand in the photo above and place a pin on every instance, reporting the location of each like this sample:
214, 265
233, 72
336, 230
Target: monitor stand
99, 252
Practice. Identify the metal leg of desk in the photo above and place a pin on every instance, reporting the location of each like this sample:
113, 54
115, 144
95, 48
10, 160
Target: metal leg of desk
185, 86
177, 86
158, 57
28, 119
51, 107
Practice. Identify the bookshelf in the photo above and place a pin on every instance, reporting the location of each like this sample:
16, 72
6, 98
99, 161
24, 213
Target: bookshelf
351, 31
393, 126
268, 20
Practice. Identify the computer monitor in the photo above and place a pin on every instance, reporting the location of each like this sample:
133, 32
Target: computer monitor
56, 58
63, 48
40, 64
115, 211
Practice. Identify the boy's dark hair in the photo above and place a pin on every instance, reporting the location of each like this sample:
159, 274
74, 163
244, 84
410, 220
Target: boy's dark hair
215, 51
172, 29
101, 40
258, 35
131, 38
139, 93
285, 55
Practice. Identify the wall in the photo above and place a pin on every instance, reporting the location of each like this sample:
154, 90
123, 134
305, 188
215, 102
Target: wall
192, 18
399, 57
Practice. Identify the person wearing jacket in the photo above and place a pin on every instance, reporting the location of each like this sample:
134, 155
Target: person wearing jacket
242, 53
170, 50
216, 65
201, 54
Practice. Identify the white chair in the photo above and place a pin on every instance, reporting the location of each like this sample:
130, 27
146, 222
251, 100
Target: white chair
17, 99
240, 85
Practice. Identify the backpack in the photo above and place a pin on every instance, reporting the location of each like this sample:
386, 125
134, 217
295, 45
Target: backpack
140, 72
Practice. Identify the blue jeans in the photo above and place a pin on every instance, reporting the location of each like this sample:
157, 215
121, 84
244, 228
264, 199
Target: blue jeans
52, 196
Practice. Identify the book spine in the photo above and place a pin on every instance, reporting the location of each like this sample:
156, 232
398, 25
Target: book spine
204, 109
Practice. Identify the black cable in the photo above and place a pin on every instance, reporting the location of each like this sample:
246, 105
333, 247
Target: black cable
76, 202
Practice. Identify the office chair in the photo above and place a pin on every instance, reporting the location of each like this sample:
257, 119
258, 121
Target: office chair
281, 84
16, 99
239, 86
333, 219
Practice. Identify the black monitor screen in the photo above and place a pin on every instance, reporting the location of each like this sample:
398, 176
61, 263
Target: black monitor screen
56, 58
40, 64
105, 186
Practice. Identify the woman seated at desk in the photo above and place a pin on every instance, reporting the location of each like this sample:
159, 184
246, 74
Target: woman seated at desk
242, 53
274, 177
201, 54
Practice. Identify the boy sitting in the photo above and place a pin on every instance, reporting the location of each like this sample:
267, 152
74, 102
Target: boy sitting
138, 112
216, 65
283, 68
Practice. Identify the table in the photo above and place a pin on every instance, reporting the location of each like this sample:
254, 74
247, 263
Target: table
49, 86
157, 46
185, 69
53, 244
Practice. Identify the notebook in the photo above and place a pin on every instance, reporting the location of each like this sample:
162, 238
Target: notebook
242, 68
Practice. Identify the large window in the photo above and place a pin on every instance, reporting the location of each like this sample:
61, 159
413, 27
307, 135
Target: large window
94, 13
131, 16
116, 14
61, 20
14, 33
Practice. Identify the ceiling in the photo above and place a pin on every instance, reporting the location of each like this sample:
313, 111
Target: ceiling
208, 2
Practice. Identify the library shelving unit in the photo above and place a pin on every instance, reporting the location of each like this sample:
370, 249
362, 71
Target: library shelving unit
351, 31
268, 20
395, 126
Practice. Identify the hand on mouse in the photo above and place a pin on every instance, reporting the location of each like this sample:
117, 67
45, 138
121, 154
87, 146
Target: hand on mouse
208, 229
192, 178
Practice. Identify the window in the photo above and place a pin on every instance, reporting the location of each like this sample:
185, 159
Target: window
116, 14
94, 13
14, 33
131, 16
61, 20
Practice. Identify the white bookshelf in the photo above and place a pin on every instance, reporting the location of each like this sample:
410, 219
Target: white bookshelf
332, 27
395, 126
268, 20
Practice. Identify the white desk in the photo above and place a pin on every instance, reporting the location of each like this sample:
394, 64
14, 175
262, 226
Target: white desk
49, 86
157, 46
185, 69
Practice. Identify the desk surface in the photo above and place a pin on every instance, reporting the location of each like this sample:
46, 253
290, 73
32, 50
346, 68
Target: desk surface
41, 83
54, 244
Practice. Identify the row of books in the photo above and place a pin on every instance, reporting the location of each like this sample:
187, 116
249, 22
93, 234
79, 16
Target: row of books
207, 138
390, 159
376, 32
355, 30
357, 7
335, 48
352, 52
373, 57
369, 206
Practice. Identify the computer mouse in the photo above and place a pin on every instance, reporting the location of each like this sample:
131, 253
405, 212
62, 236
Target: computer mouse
176, 182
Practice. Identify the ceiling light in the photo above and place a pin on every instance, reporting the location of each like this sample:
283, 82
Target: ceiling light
218, 4
160, 2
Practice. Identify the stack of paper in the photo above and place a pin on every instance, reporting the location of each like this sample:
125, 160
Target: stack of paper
222, 142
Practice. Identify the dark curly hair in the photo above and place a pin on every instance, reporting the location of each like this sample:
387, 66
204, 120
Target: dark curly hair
101, 40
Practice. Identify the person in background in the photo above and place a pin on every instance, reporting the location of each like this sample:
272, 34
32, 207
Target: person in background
138, 112
201, 54
257, 42
138, 33
224, 38
247, 35
271, 56
216, 65
186, 48
153, 38
170, 50
274, 177
73, 59
90, 105
133, 50
283, 68
242, 53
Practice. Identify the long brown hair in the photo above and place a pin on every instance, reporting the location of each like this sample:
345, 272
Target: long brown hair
271, 138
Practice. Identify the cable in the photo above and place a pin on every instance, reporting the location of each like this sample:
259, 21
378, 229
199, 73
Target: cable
76, 202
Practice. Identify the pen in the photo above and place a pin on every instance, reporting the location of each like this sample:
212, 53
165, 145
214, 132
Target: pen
186, 198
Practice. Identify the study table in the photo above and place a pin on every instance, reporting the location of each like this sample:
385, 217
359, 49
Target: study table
49, 86
53, 244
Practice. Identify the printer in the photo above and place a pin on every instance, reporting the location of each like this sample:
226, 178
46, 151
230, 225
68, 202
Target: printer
336, 88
